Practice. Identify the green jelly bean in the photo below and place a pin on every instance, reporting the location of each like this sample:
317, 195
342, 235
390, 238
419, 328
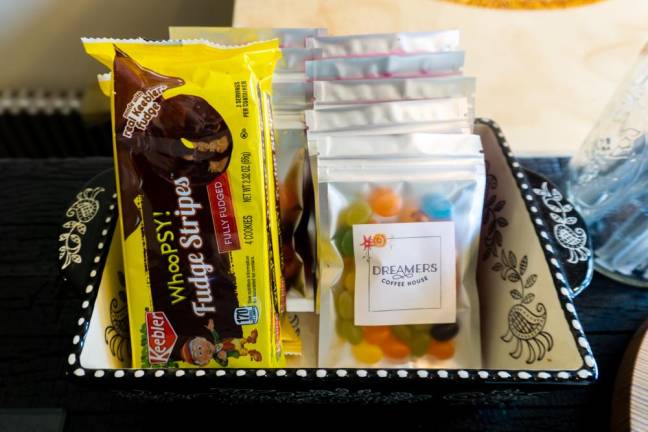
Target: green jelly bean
419, 344
346, 245
354, 333
421, 328
345, 305
357, 213
343, 239
402, 332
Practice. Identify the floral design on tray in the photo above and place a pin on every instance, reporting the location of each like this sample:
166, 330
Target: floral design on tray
84, 210
525, 327
491, 220
116, 335
573, 240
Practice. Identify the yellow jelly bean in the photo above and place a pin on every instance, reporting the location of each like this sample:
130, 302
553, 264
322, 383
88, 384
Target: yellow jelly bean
349, 281
366, 353
357, 213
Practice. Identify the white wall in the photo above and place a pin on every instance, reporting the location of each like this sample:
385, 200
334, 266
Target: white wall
39, 39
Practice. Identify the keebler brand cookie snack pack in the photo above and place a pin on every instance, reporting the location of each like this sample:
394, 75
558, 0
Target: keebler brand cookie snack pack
198, 201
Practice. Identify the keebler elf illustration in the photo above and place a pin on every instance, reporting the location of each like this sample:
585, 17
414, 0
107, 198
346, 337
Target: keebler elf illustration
199, 350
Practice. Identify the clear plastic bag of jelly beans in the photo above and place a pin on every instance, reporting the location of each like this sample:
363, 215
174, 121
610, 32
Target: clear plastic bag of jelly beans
288, 37
386, 66
385, 43
406, 179
384, 114
346, 92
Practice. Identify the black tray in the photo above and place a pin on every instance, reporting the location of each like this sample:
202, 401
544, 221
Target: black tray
529, 344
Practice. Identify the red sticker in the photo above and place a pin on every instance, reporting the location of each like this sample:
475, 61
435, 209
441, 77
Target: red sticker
161, 337
222, 210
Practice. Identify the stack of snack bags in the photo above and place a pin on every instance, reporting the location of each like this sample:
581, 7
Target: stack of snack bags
399, 184
292, 94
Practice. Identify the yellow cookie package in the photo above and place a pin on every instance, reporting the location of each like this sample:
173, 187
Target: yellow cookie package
198, 201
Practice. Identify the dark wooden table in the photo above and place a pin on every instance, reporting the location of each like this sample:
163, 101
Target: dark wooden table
36, 316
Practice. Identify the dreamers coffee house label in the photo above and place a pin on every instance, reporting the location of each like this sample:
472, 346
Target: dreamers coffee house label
405, 273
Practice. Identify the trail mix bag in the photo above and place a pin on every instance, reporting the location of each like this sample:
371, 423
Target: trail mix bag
197, 201
399, 219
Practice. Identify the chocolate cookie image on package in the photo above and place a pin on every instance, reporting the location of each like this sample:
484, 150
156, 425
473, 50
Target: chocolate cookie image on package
196, 201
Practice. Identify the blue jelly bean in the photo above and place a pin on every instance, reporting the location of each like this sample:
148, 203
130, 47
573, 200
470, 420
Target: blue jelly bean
436, 207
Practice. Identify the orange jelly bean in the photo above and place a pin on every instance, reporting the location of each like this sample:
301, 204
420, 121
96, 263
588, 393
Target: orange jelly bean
376, 334
394, 348
385, 202
441, 350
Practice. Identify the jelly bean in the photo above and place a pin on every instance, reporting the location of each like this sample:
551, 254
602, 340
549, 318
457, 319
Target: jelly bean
419, 344
444, 332
345, 305
349, 264
436, 206
402, 332
366, 353
394, 348
346, 244
441, 350
421, 328
385, 202
357, 213
349, 281
342, 219
412, 214
344, 241
376, 334
354, 333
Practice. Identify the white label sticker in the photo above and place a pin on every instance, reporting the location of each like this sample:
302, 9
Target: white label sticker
405, 273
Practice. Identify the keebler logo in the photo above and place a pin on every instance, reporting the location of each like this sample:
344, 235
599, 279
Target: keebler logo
161, 337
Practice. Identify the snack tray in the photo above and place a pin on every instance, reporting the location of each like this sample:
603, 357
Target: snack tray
529, 229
